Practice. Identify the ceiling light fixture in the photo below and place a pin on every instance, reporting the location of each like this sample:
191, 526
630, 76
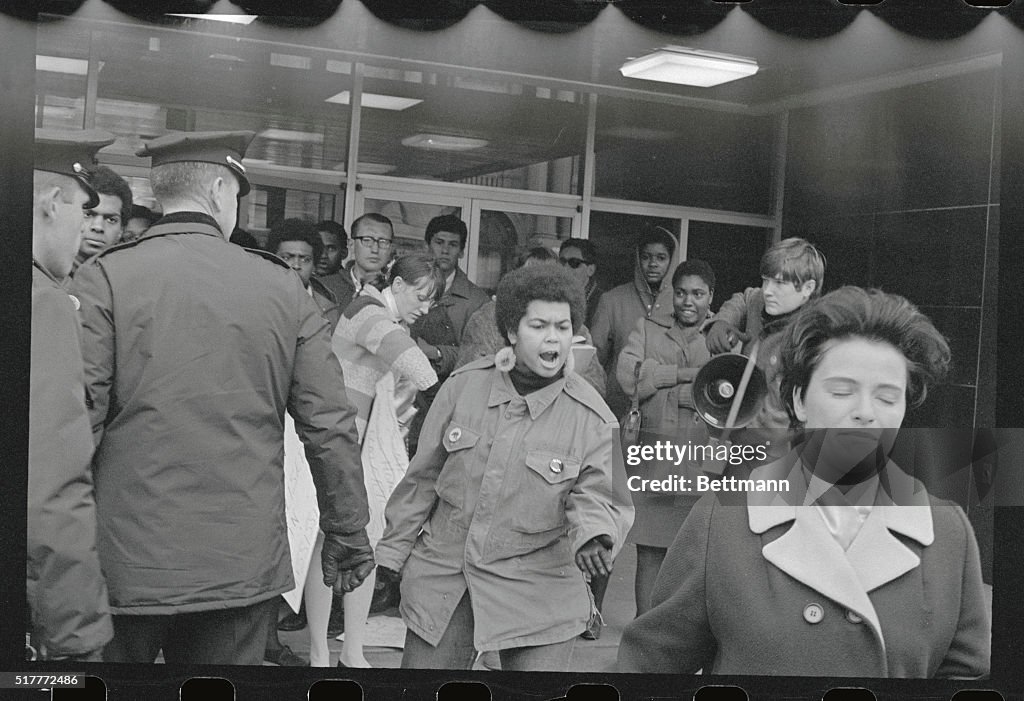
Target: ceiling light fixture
233, 19
443, 142
375, 101
292, 135
58, 64
684, 66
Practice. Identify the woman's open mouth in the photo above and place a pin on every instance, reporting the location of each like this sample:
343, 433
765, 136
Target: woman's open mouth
550, 358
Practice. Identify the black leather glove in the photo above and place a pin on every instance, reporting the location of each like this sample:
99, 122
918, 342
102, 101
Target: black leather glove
347, 559
386, 574
595, 557
722, 336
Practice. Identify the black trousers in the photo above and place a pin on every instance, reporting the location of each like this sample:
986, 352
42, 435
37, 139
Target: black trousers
235, 636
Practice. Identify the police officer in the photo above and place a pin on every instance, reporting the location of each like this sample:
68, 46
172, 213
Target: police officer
194, 348
70, 617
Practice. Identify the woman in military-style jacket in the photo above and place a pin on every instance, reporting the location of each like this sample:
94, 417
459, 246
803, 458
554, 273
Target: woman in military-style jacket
517, 485
851, 568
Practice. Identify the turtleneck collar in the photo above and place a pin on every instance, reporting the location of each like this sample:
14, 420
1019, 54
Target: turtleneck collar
526, 381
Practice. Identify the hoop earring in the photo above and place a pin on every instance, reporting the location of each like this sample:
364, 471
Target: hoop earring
505, 359
570, 363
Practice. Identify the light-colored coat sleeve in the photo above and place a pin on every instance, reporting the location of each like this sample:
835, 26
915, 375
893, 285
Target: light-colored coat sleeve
599, 503
393, 345
413, 499
653, 374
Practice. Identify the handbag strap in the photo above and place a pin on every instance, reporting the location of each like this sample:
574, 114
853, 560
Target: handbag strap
635, 401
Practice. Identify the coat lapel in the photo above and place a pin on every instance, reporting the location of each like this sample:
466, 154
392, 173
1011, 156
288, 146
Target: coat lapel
808, 552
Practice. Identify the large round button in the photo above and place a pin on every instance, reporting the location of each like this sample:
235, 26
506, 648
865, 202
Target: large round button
853, 617
813, 613
455, 434
75, 302
555, 465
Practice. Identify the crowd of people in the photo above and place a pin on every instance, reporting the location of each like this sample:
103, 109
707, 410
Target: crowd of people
465, 451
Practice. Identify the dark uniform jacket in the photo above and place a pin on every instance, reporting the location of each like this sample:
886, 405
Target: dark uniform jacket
327, 302
66, 593
194, 348
341, 286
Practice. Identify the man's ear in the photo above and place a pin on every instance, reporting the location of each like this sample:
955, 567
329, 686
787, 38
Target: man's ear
809, 286
49, 201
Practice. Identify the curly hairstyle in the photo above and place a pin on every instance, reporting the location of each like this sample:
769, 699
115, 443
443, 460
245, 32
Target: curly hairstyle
295, 230
106, 182
854, 312
547, 283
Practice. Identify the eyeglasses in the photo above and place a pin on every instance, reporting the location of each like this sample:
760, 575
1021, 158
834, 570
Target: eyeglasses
289, 257
573, 262
371, 242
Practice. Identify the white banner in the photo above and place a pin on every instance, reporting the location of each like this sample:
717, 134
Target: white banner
301, 511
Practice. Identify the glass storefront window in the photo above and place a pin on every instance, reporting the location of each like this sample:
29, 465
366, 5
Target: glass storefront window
463, 129
653, 152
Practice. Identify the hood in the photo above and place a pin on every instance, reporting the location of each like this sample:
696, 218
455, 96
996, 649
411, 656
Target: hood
665, 314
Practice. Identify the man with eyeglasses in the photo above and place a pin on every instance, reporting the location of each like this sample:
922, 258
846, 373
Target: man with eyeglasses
104, 223
580, 257
373, 238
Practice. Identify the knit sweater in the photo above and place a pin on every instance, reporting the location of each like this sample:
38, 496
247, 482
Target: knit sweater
369, 342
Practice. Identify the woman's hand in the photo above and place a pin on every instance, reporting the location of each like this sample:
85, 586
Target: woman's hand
722, 336
595, 557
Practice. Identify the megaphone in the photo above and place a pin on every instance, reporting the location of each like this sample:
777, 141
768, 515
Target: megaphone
729, 384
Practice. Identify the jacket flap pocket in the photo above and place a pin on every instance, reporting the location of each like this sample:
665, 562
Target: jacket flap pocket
458, 437
553, 467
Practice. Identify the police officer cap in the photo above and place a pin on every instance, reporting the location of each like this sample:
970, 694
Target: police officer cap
226, 148
71, 153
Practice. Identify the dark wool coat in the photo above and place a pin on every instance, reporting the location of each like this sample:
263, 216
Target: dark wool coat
758, 585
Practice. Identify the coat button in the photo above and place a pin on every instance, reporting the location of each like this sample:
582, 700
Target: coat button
774, 360
444, 596
813, 613
455, 434
508, 414
555, 465
75, 302
853, 618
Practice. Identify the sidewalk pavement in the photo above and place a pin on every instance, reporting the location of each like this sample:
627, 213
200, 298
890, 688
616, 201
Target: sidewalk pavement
587, 656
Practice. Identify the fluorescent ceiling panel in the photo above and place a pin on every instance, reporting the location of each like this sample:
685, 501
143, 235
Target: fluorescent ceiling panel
58, 64
233, 19
683, 66
375, 101
292, 135
443, 142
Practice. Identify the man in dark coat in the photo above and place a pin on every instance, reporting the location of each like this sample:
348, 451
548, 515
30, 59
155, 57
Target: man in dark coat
194, 348
67, 596
439, 331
